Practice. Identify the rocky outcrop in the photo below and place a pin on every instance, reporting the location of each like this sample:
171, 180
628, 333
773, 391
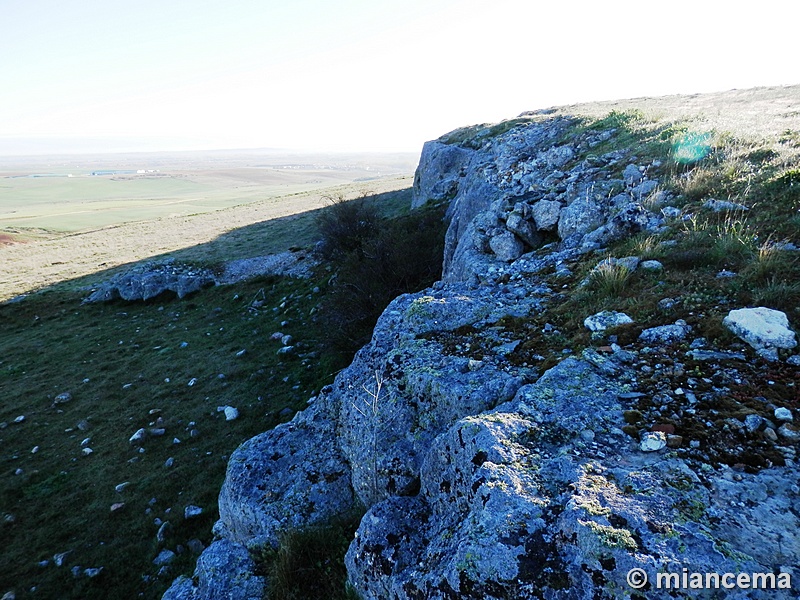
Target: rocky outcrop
519, 191
485, 476
151, 279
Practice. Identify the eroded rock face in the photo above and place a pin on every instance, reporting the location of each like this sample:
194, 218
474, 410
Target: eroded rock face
515, 504
487, 479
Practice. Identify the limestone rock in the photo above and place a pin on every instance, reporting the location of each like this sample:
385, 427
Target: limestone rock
224, 570
523, 229
545, 214
438, 174
605, 320
580, 217
506, 246
762, 328
666, 334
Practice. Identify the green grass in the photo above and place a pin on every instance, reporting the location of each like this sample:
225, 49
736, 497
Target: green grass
310, 562
128, 366
51, 343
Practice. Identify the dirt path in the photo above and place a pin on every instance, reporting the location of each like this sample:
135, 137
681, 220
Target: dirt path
30, 266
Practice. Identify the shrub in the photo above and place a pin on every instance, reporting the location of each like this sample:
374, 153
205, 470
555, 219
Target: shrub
398, 256
610, 279
309, 562
346, 225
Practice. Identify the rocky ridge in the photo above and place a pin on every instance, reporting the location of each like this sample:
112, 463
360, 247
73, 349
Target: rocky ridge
485, 475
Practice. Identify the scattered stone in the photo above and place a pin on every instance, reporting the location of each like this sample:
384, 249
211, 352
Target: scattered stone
120, 487
713, 355
35, 449
85, 442
754, 423
87, 451
192, 511
666, 334
605, 320
287, 340
62, 398
117, 506
231, 413
632, 174
165, 557
723, 205
783, 414
794, 360
651, 265
138, 436
276, 336
19, 419
770, 434
91, 573
83, 425
671, 212
653, 441
18, 472
666, 303
156, 431
192, 381
241, 353
58, 559
694, 444
169, 462
163, 532
674, 441
789, 432
285, 351
195, 546
762, 328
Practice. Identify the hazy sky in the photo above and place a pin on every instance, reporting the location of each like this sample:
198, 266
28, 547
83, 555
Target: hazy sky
358, 74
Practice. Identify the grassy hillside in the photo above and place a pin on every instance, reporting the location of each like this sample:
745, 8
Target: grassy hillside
74, 489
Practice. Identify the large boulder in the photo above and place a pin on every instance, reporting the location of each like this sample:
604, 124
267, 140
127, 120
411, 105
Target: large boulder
225, 571
764, 329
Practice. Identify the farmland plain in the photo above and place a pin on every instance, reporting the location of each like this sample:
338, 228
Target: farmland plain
64, 217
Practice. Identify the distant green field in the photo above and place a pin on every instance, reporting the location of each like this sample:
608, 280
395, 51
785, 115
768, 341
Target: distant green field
80, 203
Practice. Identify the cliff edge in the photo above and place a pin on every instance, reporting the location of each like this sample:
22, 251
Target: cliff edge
577, 407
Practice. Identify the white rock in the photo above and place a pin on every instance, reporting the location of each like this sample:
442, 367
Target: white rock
87, 451
35, 449
164, 557
231, 413
651, 265
605, 319
19, 419
121, 486
653, 441
62, 398
85, 442
192, 381
762, 328
138, 436
192, 511
92, 572
783, 414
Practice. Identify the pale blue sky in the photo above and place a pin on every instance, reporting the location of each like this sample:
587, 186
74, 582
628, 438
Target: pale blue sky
358, 74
